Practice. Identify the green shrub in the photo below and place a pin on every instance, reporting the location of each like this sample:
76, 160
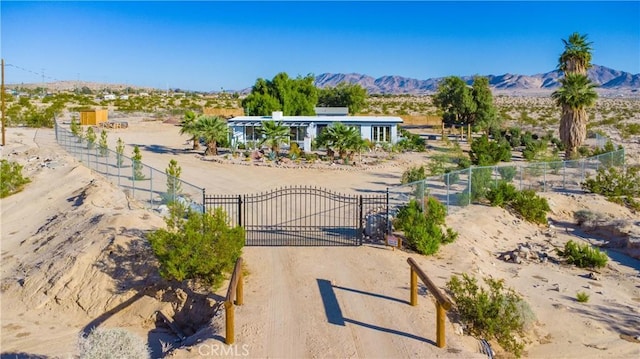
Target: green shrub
201, 247
487, 153
424, 231
481, 182
618, 185
413, 174
583, 255
294, 151
494, 312
102, 343
582, 297
411, 141
11, 179
508, 173
503, 193
532, 207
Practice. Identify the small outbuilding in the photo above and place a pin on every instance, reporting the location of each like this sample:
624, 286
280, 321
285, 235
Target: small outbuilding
93, 117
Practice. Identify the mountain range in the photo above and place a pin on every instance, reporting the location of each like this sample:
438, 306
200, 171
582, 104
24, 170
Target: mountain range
609, 81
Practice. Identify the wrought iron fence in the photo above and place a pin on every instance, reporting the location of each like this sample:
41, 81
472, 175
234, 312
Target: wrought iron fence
457, 189
153, 188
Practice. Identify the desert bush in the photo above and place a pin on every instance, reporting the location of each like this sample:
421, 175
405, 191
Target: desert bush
618, 185
201, 246
495, 312
413, 174
11, 179
411, 141
424, 230
294, 151
503, 193
487, 153
532, 207
582, 297
583, 255
103, 343
481, 182
508, 173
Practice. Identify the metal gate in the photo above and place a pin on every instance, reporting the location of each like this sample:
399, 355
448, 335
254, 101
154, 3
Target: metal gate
305, 216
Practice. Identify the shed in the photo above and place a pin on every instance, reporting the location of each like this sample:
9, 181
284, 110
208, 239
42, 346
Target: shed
93, 117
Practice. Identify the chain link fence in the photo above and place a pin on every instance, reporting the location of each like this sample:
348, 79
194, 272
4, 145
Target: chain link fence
460, 188
153, 188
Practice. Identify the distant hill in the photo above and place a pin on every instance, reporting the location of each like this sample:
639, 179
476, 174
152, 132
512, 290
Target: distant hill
609, 81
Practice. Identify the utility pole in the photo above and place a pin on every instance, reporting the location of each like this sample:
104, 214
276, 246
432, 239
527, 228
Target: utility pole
2, 99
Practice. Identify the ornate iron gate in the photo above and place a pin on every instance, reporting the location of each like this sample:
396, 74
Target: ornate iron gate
305, 216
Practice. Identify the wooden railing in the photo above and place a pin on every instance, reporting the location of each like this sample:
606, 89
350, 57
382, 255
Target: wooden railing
234, 295
442, 303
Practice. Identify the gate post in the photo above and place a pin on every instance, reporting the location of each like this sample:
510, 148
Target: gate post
361, 221
240, 210
204, 201
386, 215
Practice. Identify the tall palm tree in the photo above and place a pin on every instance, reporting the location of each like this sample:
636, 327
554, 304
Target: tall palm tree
274, 134
189, 127
213, 130
576, 57
575, 96
577, 92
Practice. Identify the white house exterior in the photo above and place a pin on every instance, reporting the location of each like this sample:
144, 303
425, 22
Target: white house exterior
304, 129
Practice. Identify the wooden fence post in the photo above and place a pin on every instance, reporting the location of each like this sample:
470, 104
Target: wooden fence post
414, 287
229, 319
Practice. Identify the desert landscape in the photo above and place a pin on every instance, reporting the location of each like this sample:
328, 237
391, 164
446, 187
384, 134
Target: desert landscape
75, 257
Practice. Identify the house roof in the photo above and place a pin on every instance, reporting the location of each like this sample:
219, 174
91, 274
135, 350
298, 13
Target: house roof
305, 120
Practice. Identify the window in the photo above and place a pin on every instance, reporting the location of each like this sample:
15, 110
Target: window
381, 133
297, 133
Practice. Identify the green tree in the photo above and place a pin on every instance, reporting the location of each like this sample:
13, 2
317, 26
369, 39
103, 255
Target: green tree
294, 97
174, 185
574, 97
213, 130
119, 152
274, 134
190, 127
455, 100
75, 126
91, 138
352, 96
486, 118
201, 247
103, 145
137, 164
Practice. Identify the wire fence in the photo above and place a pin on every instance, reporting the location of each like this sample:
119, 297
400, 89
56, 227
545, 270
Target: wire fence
153, 188
461, 188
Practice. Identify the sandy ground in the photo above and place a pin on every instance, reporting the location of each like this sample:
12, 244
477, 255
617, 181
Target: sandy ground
74, 257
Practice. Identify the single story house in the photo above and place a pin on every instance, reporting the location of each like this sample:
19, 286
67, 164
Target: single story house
303, 129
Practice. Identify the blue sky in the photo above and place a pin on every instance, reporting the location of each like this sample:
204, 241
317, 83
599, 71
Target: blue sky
209, 45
